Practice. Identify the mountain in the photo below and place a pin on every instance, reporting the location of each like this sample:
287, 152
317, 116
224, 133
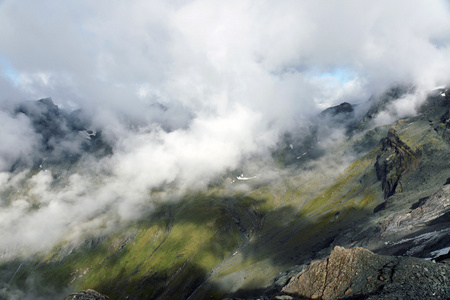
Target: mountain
64, 137
343, 181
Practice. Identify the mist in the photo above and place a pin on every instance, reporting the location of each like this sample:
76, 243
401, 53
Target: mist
187, 91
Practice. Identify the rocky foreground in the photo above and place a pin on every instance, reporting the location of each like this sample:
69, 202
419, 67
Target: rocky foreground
358, 273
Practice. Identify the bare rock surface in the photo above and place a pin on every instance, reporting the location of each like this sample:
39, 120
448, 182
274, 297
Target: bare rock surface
358, 273
87, 295
393, 161
426, 210
424, 230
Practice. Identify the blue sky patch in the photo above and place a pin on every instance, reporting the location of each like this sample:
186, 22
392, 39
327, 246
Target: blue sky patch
342, 74
7, 70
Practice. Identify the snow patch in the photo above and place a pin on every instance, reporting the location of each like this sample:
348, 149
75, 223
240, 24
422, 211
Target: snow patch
298, 157
420, 239
242, 178
440, 252
87, 133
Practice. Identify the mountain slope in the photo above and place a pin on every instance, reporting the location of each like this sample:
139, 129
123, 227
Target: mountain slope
383, 188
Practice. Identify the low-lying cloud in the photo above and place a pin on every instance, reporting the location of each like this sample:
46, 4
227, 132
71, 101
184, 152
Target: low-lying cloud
185, 91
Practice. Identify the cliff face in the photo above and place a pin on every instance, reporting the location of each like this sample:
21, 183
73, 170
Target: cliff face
394, 159
360, 274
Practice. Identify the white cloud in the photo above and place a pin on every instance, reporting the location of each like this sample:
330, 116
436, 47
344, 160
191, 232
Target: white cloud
231, 77
17, 140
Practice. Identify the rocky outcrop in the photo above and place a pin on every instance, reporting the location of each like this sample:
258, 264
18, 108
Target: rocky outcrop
358, 273
87, 295
442, 127
424, 211
423, 231
394, 159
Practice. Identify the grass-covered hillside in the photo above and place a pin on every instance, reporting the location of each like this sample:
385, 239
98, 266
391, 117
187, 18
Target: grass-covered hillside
235, 239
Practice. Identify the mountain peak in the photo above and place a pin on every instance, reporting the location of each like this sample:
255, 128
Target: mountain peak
344, 107
47, 101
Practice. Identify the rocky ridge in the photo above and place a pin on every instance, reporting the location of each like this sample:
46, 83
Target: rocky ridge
394, 160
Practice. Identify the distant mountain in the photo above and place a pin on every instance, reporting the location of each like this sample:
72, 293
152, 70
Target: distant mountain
382, 188
64, 137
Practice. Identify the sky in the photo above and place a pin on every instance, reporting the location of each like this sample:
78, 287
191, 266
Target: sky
233, 76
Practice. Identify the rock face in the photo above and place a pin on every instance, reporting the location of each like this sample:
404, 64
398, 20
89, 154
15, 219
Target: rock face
393, 161
358, 273
425, 228
424, 211
86, 295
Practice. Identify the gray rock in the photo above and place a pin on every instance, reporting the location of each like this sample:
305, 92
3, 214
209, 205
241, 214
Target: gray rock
87, 295
393, 161
358, 273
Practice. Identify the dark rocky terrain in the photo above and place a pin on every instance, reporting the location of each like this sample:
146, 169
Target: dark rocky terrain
86, 295
359, 274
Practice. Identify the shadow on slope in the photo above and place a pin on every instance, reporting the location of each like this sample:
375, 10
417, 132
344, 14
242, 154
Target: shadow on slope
167, 256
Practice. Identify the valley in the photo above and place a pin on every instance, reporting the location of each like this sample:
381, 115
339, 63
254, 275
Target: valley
384, 188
